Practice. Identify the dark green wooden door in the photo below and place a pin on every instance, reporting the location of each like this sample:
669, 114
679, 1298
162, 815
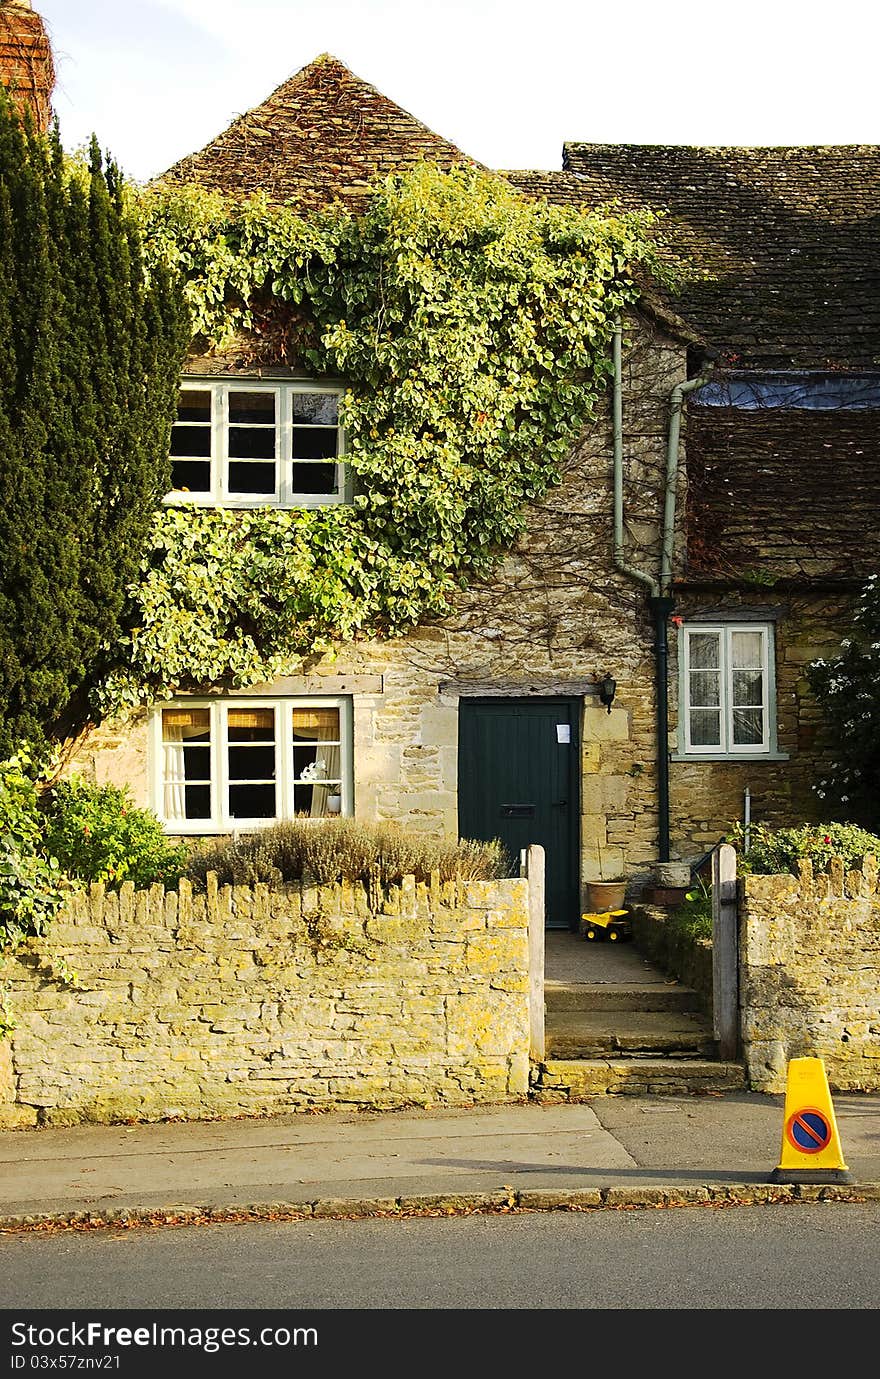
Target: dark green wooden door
518, 781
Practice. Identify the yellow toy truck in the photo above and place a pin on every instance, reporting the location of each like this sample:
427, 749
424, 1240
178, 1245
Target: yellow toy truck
612, 925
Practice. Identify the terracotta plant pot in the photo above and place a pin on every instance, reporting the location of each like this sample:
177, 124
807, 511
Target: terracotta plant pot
605, 895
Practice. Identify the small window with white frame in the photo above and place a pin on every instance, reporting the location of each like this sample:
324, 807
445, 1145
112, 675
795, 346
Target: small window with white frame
726, 689
255, 442
225, 765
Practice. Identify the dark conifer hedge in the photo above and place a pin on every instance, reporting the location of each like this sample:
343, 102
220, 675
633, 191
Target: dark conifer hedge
90, 358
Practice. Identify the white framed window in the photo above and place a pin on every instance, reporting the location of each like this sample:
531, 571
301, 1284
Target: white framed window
726, 690
224, 765
248, 443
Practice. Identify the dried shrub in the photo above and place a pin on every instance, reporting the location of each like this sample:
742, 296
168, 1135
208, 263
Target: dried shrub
342, 850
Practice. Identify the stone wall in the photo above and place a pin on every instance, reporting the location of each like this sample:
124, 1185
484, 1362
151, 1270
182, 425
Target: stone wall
809, 969
250, 1001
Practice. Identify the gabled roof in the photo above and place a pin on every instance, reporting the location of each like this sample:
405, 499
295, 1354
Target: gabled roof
790, 235
323, 135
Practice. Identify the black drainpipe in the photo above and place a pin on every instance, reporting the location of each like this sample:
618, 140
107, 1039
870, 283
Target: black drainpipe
661, 607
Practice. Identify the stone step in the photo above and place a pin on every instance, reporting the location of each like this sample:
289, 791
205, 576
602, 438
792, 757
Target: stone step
582, 1079
592, 996
619, 1034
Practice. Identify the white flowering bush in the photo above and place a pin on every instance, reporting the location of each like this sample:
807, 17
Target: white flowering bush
847, 687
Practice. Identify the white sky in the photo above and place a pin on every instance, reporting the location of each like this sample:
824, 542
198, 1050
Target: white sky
507, 81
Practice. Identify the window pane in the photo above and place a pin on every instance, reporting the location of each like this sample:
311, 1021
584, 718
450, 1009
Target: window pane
310, 763
253, 407
748, 727
312, 725
705, 727
197, 803
318, 408
315, 478
185, 761
748, 688
703, 650
186, 723
314, 443
251, 763
251, 725
194, 404
746, 648
705, 687
252, 801
191, 440
252, 442
191, 476
251, 478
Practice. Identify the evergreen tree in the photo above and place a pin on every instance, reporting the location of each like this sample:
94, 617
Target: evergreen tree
90, 357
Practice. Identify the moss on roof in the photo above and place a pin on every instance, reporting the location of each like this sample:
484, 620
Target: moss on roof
791, 236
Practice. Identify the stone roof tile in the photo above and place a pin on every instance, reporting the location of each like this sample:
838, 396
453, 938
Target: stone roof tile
790, 235
323, 135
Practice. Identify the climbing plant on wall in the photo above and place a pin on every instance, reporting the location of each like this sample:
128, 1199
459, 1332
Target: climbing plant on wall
470, 327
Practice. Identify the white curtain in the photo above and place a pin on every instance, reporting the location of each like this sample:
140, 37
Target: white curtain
174, 773
327, 761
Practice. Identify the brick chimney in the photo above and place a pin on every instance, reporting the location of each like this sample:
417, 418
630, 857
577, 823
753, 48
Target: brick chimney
26, 67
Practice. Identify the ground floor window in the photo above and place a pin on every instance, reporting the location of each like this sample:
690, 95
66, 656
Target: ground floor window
727, 689
226, 764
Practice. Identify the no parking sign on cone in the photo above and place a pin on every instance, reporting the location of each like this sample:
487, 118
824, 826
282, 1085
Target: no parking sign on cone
811, 1151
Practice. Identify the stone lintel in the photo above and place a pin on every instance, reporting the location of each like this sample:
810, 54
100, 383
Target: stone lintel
517, 689
309, 684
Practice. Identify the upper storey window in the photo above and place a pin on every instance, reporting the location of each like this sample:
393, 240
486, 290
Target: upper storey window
254, 443
813, 392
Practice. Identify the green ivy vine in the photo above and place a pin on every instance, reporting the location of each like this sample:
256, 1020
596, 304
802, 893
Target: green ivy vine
471, 327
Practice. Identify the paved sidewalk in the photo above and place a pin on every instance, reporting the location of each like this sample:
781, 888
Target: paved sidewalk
614, 1151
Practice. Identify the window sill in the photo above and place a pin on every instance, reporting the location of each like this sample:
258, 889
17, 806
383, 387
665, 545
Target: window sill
200, 500
198, 828
729, 757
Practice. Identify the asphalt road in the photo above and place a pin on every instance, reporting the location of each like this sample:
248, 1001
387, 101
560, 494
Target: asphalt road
795, 1256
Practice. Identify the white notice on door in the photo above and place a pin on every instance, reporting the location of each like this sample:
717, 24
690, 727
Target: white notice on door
563, 732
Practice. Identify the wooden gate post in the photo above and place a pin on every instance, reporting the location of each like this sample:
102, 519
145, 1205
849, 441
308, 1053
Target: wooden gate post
532, 867
725, 952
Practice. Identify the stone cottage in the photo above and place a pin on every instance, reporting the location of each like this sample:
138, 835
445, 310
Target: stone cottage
637, 661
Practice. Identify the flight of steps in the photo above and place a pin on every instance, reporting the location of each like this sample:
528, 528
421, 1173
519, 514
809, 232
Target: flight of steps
631, 1038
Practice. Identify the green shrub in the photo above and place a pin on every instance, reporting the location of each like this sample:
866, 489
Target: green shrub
693, 917
32, 887
775, 851
98, 834
342, 850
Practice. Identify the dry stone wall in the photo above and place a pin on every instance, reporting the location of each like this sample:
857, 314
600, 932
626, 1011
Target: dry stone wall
252, 1001
809, 966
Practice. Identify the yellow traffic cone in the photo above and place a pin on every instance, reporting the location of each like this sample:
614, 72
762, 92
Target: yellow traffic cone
811, 1151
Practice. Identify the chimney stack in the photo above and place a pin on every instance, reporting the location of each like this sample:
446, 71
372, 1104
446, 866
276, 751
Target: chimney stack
26, 67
